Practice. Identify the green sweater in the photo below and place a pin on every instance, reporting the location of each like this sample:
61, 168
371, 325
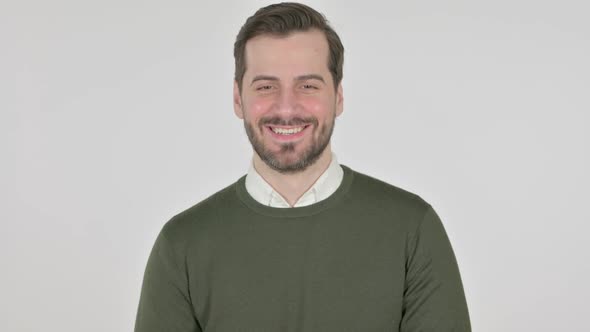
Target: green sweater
371, 257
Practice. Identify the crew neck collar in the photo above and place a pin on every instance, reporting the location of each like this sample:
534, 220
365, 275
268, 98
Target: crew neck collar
295, 212
322, 188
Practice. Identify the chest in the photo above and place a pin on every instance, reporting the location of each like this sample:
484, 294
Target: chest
300, 277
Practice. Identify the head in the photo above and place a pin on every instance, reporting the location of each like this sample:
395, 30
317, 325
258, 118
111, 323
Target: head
287, 85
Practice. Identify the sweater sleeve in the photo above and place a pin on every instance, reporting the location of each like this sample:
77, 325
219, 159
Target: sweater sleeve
434, 300
165, 304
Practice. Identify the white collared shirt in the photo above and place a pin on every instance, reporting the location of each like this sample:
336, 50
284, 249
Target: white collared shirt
324, 186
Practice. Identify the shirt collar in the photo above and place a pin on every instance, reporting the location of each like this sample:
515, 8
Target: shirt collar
324, 186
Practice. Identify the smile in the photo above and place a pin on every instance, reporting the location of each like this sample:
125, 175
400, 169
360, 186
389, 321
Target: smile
290, 131
287, 132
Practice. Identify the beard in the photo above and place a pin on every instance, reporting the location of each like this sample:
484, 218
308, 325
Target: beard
306, 158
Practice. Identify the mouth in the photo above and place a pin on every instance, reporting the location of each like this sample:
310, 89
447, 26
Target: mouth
288, 133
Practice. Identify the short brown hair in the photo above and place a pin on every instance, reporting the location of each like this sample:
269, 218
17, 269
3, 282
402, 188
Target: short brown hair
280, 20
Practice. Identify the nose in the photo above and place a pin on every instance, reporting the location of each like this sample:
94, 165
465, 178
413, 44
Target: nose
287, 103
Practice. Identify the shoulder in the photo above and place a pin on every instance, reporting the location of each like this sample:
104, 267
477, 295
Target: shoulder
202, 215
387, 199
380, 190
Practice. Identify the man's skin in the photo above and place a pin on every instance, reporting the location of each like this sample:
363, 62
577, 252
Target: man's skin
287, 83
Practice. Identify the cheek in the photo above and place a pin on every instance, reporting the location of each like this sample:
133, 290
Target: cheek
318, 107
258, 106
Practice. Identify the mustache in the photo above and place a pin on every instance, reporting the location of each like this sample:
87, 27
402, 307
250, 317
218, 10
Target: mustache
297, 121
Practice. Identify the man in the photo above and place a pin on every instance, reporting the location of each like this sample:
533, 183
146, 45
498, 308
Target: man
300, 243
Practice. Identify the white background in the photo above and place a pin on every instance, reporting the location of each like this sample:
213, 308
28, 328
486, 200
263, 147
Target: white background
116, 115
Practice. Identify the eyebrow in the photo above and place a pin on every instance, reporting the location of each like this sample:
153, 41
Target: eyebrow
298, 78
310, 77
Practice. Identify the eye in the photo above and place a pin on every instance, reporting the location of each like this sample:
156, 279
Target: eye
309, 86
264, 87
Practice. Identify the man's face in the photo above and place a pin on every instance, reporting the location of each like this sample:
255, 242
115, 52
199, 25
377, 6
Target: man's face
288, 101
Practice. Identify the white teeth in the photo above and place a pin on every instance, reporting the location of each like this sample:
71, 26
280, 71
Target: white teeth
287, 131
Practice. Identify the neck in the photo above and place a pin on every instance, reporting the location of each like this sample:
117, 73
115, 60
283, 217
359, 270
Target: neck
293, 186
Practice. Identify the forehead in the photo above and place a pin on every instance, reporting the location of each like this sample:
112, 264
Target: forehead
297, 52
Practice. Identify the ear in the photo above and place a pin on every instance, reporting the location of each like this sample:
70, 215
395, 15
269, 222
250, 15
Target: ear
339, 100
238, 110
